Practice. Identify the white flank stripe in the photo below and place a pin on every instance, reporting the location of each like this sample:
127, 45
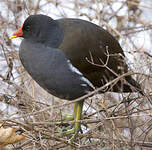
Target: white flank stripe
74, 69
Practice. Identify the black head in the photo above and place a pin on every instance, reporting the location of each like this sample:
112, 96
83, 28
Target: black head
42, 29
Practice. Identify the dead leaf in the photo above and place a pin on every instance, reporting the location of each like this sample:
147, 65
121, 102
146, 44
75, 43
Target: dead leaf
9, 136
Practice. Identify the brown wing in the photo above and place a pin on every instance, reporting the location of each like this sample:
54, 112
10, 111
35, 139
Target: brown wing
94, 51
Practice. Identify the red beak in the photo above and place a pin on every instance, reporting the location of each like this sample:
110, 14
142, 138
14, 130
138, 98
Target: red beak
19, 33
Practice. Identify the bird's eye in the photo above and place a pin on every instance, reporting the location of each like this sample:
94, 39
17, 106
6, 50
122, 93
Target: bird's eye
27, 28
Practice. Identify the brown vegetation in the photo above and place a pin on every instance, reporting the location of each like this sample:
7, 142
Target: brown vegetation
111, 121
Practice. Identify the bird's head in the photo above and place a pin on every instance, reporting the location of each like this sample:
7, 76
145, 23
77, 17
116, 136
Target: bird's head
33, 27
40, 28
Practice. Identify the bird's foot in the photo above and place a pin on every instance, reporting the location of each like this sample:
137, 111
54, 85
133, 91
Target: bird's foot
68, 117
71, 132
67, 132
77, 116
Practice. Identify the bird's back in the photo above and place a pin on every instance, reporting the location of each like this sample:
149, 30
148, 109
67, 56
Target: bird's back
93, 50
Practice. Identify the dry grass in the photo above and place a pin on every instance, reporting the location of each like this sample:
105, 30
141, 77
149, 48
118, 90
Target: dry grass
110, 121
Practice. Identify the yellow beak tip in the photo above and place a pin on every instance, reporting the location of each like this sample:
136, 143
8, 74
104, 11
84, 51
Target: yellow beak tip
12, 37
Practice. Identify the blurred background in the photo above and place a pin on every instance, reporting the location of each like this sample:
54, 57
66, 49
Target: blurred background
110, 122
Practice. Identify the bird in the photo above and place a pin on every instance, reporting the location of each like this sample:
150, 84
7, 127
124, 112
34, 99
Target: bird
71, 57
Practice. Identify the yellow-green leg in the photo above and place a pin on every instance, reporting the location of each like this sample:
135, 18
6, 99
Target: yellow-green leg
77, 114
75, 109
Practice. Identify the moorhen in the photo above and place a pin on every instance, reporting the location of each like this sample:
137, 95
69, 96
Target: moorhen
71, 57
